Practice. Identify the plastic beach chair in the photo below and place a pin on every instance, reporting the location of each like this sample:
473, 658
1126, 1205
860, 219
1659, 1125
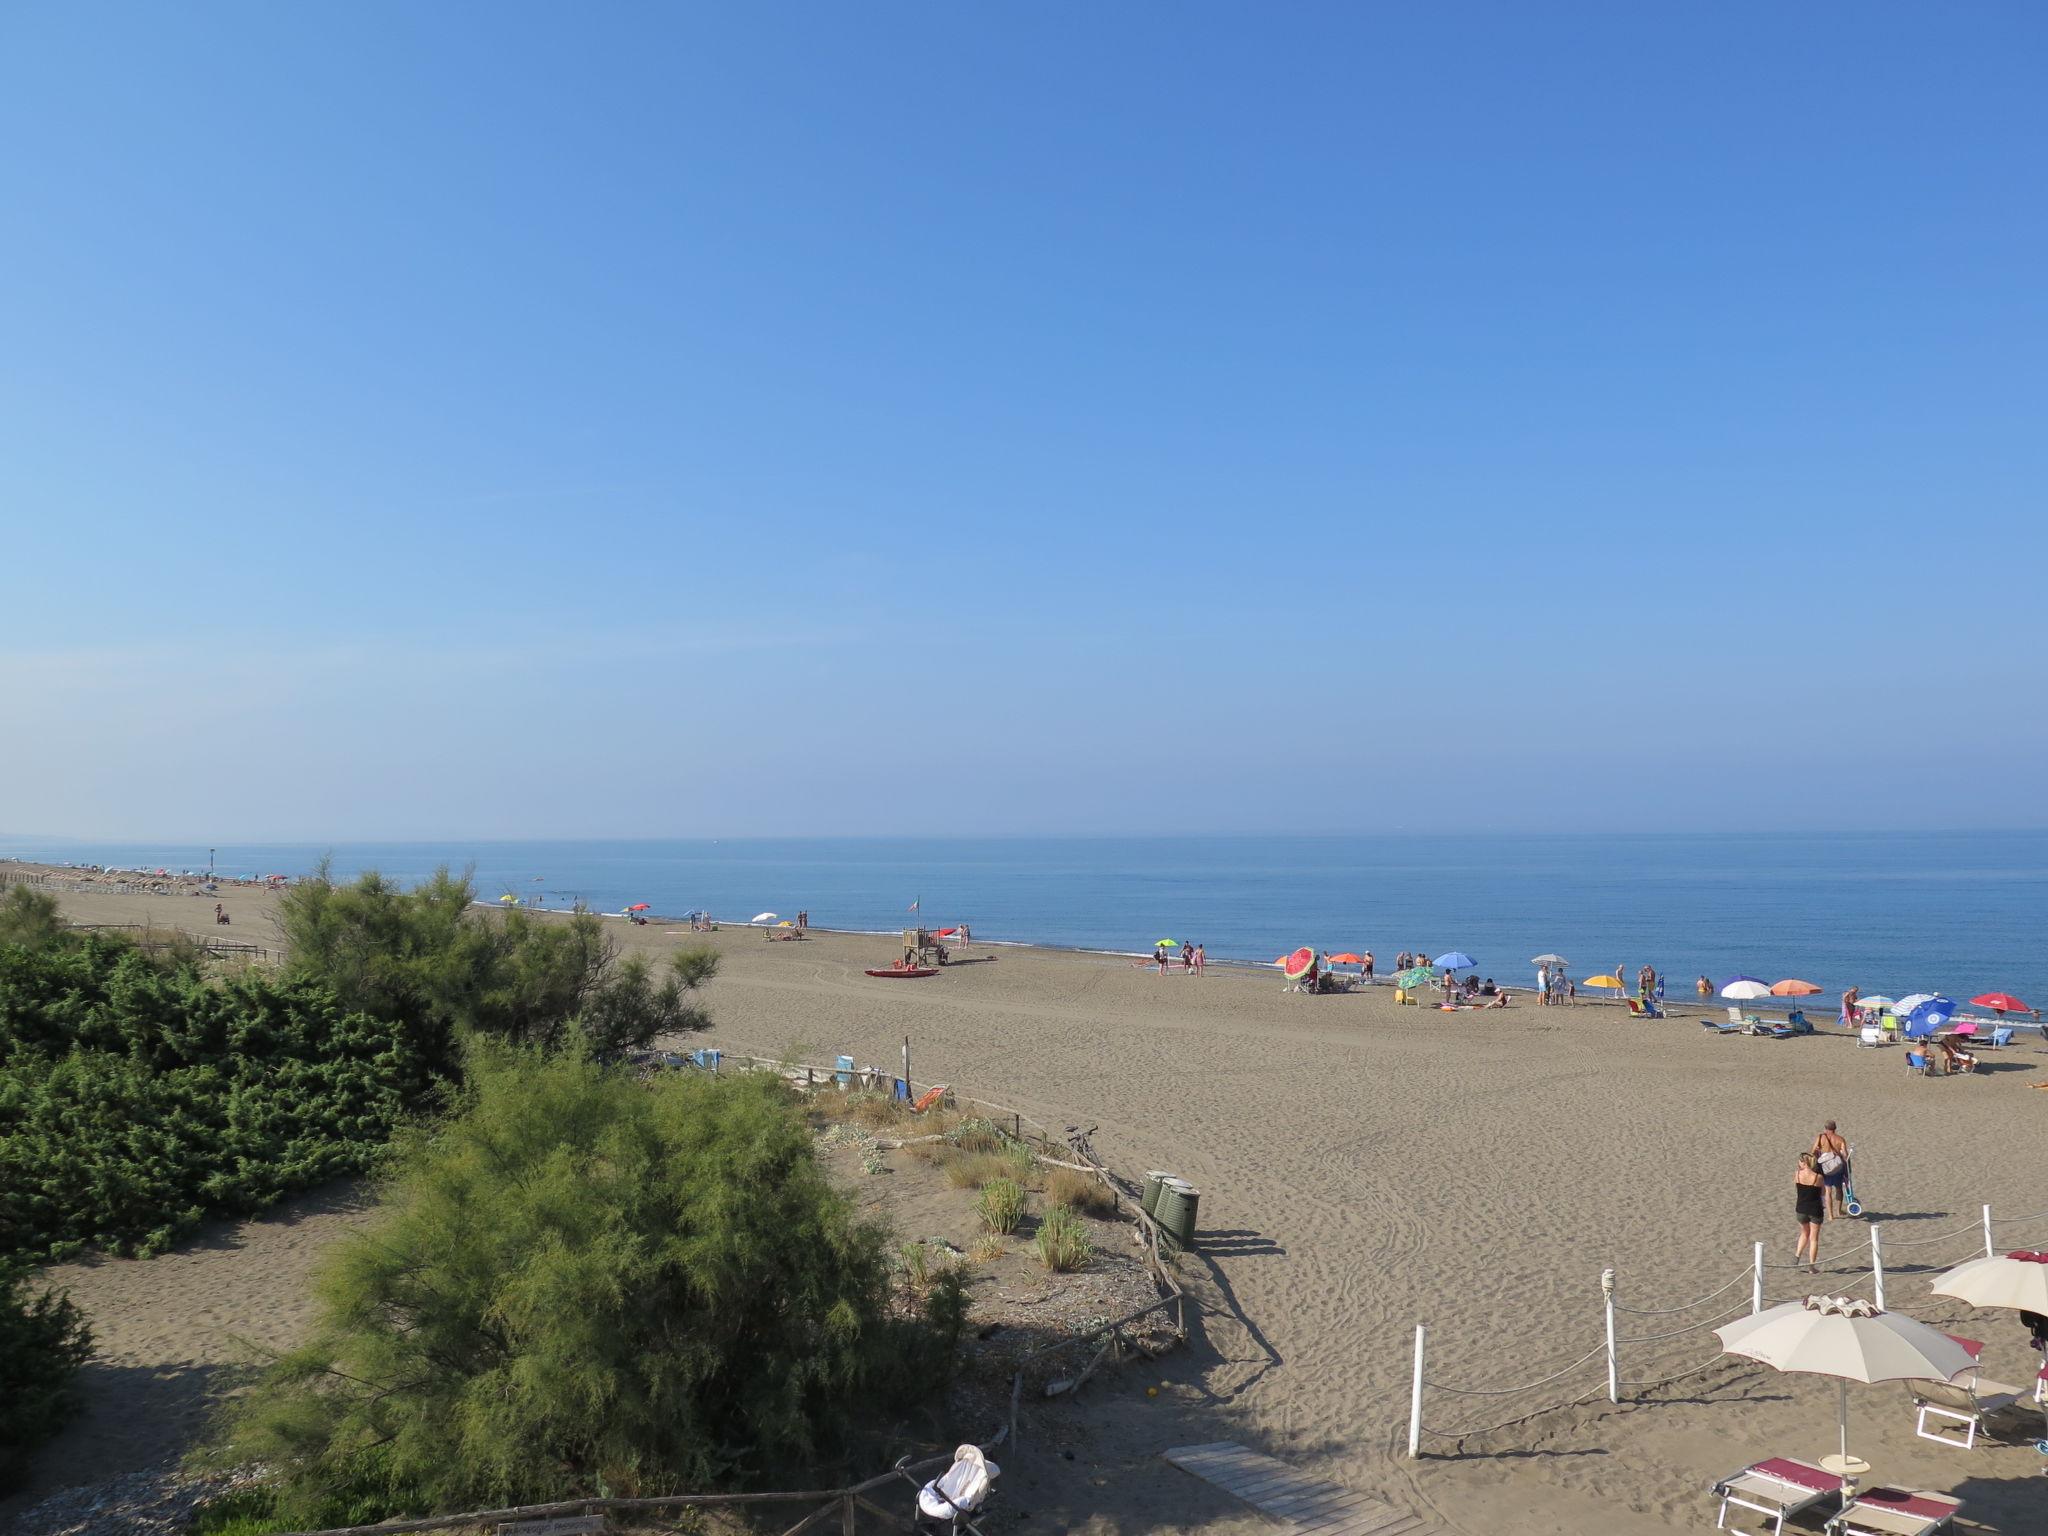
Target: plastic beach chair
1775, 1489
1967, 1404
1643, 1010
960, 1490
2000, 1037
1918, 1061
1894, 1512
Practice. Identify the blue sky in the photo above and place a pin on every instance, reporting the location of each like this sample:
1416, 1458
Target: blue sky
501, 420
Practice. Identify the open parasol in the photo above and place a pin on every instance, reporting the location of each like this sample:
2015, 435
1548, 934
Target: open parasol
1849, 1339
1296, 965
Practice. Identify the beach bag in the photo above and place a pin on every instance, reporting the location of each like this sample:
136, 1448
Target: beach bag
1830, 1161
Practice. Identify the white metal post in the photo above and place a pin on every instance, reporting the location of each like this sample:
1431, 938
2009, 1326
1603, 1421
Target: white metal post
1756, 1281
1613, 1382
1877, 1264
1988, 1250
1415, 1398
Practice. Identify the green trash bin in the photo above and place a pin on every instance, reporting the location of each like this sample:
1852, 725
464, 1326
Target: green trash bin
1150, 1199
1179, 1203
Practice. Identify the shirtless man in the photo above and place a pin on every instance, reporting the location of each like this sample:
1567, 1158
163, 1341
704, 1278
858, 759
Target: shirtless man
1829, 1148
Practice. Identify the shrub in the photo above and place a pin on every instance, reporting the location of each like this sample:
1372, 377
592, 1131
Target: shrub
30, 917
1083, 1192
1062, 1241
1001, 1205
583, 1284
136, 1097
988, 1248
43, 1341
430, 960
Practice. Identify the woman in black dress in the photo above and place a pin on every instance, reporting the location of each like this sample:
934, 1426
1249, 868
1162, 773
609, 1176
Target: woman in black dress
1807, 1198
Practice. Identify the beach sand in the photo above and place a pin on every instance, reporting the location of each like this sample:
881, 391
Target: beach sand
1364, 1168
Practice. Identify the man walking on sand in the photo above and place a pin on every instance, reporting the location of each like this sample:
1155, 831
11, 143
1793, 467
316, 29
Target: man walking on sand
1832, 1154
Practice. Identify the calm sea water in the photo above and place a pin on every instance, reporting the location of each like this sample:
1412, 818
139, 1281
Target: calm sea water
1961, 913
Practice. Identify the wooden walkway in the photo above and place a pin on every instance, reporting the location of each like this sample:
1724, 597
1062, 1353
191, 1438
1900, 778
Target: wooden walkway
1299, 1502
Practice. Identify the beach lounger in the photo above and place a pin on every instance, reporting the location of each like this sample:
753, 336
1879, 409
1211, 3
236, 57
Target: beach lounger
1775, 1489
1894, 1512
1968, 1404
1719, 1028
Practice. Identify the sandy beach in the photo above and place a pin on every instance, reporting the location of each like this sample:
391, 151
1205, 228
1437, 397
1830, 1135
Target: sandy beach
1364, 1168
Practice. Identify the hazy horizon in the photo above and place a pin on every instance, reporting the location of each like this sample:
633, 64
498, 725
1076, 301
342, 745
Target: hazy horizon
456, 422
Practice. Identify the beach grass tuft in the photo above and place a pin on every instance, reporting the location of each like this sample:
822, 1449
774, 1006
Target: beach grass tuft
1062, 1240
1001, 1205
1083, 1192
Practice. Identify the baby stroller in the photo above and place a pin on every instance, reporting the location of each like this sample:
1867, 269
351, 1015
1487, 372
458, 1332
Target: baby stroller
944, 1503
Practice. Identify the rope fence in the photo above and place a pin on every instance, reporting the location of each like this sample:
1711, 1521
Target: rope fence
1861, 1271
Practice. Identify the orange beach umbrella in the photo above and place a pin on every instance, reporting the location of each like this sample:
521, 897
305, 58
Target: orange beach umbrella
1791, 986
1347, 958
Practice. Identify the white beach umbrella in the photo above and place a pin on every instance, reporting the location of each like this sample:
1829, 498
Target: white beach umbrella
762, 917
2018, 1280
1744, 990
1879, 1001
1849, 1339
1906, 1005
1550, 960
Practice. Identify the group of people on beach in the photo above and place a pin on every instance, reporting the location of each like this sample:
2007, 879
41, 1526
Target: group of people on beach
1192, 957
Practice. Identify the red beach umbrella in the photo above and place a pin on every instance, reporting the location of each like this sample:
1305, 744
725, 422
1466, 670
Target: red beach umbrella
639, 906
1295, 966
2000, 1002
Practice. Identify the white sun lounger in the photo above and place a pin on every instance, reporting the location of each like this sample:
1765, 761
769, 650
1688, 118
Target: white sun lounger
1967, 1404
1894, 1512
1776, 1489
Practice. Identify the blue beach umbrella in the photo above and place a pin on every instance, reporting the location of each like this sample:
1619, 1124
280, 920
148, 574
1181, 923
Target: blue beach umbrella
1929, 1017
1456, 960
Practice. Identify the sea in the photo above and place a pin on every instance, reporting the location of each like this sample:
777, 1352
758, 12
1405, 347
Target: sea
1961, 913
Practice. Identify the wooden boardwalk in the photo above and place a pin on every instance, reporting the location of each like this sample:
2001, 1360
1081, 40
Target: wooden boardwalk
1299, 1502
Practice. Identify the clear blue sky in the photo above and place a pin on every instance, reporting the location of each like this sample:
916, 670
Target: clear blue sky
472, 420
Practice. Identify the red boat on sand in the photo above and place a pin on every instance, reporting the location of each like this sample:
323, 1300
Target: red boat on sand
905, 972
